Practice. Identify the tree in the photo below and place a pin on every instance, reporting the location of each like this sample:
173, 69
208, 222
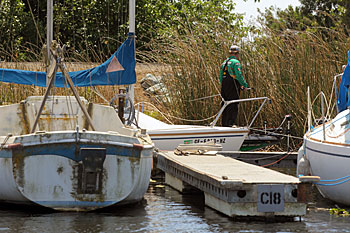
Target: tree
312, 14
95, 29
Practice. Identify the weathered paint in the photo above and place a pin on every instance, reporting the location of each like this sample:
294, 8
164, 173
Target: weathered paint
47, 167
57, 179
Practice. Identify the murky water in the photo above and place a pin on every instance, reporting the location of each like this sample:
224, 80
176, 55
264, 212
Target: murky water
164, 210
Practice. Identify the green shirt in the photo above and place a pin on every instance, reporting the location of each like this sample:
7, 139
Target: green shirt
234, 69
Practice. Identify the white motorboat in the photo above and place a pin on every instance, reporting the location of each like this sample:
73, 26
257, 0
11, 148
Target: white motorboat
168, 137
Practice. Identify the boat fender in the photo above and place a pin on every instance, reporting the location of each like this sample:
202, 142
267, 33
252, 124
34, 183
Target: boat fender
303, 165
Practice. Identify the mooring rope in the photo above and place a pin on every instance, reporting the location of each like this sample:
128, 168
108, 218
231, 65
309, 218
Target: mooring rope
262, 158
266, 165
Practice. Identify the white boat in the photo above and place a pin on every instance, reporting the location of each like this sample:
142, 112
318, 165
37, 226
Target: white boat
329, 158
65, 153
168, 137
326, 149
65, 165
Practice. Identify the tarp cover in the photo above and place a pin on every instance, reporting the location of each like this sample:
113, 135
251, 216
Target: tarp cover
121, 71
343, 98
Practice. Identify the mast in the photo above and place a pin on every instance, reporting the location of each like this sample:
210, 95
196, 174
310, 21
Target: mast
49, 34
132, 30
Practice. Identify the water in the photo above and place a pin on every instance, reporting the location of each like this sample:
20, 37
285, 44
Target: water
164, 210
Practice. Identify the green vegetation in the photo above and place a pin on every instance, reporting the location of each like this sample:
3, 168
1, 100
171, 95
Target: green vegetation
293, 49
279, 61
93, 30
339, 212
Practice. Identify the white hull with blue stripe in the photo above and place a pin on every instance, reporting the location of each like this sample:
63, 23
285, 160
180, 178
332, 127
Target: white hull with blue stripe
64, 165
328, 156
169, 137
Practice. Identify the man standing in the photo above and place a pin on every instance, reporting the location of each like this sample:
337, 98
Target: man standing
232, 82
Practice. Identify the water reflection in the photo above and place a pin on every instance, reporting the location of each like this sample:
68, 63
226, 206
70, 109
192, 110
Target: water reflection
164, 210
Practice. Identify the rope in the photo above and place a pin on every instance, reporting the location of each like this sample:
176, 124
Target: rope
278, 134
157, 111
276, 161
262, 158
202, 98
178, 118
35, 23
93, 88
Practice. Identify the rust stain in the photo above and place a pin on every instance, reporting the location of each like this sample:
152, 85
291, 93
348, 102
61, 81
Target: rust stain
24, 119
60, 170
57, 190
18, 167
90, 111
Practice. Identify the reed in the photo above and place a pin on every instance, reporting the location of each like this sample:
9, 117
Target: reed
278, 66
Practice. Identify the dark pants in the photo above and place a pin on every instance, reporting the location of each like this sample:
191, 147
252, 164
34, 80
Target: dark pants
230, 90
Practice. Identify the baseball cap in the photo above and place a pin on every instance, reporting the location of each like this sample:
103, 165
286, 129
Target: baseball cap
234, 49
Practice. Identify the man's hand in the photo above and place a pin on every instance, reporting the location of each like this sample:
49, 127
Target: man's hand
244, 88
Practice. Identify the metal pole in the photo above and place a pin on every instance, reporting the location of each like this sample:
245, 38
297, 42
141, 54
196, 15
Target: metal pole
132, 15
308, 109
237, 101
336, 90
49, 34
131, 91
288, 117
323, 118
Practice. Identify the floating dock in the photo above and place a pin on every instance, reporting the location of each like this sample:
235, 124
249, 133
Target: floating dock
233, 187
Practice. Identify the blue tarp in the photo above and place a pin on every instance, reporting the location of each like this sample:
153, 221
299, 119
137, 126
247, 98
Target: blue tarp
343, 97
125, 55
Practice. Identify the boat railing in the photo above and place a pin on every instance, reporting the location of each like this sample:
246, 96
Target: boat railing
226, 103
324, 115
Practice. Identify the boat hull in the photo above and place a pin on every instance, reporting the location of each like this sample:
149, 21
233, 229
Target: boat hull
328, 156
74, 171
230, 139
330, 162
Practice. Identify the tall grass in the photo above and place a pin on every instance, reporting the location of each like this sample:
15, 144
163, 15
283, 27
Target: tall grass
282, 66
277, 65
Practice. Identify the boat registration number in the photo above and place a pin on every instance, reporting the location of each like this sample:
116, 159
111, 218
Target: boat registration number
204, 140
271, 198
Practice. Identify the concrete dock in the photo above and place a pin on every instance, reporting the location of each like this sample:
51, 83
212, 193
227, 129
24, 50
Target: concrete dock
233, 187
